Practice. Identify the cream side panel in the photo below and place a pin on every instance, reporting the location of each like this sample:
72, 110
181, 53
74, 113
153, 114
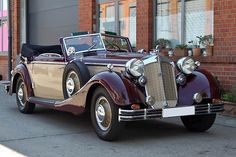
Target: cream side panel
47, 80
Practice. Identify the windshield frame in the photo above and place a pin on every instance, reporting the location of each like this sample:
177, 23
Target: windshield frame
86, 35
103, 44
117, 36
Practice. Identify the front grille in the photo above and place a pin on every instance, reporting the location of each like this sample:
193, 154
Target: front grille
169, 81
161, 82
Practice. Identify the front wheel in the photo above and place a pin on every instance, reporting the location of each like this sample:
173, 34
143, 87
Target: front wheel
199, 123
23, 105
104, 115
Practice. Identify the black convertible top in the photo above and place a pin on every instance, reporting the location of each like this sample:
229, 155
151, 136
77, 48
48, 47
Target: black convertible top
29, 50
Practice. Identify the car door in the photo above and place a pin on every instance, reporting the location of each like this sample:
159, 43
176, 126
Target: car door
47, 75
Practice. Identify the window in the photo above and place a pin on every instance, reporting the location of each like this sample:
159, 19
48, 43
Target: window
118, 16
3, 27
180, 21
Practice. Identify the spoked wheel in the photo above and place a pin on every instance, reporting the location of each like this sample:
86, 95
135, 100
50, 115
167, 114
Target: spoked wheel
72, 83
23, 105
199, 123
104, 115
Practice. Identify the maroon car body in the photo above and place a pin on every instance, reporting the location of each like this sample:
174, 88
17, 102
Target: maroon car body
100, 70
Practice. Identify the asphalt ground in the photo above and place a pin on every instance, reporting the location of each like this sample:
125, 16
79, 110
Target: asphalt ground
49, 133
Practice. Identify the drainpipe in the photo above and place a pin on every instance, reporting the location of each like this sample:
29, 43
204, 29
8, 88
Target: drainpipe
9, 40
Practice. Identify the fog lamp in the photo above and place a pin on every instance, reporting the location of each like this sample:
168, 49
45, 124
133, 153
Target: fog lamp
181, 79
150, 100
197, 97
142, 81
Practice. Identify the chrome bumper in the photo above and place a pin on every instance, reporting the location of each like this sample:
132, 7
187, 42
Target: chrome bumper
144, 114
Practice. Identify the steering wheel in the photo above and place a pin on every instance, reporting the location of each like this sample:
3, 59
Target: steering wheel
112, 44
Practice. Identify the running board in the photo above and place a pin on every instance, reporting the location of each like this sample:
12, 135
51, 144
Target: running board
43, 101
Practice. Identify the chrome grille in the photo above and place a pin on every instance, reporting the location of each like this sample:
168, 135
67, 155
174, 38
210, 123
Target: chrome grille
161, 82
169, 84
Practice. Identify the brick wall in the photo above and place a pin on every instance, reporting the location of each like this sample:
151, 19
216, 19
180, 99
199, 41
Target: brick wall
225, 27
87, 15
223, 62
16, 29
226, 74
4, 67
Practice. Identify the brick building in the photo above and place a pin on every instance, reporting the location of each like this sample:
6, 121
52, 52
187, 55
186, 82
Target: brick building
143, 21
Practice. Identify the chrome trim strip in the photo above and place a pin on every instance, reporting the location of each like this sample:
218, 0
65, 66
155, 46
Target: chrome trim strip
105, 64
144, 114
45, 62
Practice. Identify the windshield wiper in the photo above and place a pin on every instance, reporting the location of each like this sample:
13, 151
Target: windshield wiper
91, 47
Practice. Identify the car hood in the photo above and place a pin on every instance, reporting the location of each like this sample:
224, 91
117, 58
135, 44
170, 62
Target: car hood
112, 58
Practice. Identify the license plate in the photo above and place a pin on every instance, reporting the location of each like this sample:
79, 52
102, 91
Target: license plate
180, 111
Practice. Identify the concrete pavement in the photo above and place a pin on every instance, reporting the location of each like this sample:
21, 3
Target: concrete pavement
52, 133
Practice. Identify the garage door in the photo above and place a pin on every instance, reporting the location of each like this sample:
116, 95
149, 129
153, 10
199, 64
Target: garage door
51, 19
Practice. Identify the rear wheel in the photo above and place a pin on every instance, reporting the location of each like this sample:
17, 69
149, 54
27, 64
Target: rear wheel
104, 115
199, 123
23, 105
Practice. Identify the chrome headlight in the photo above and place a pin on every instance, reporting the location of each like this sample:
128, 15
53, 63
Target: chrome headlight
187, 65
135, 67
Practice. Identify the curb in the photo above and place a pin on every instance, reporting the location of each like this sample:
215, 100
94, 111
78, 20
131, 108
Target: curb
230, 109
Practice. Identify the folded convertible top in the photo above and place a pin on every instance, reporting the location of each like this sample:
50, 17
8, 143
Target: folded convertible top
29, 51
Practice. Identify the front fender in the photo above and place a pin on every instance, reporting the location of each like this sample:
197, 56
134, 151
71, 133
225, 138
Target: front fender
121, 89
201, 81
21, 71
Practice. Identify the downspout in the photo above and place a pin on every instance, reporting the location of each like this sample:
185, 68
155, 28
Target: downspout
9, 40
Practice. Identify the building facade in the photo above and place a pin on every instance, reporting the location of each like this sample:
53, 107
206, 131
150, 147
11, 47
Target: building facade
143, 21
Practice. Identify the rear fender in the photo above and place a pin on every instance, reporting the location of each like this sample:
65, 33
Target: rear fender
21, 71
201, 81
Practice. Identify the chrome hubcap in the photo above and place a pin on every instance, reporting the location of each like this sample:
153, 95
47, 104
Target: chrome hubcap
72, 83
20, 94
70, 86
103, 113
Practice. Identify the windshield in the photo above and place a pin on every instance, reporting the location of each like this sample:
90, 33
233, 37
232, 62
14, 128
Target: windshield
83, 43
96, 42
115, 43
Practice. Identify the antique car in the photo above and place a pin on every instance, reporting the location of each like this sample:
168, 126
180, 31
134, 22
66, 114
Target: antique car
101, 74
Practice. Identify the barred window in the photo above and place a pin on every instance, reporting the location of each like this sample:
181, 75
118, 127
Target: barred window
118, 16
181, 21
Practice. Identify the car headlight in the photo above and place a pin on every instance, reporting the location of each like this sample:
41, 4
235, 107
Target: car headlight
187, 65
135, 67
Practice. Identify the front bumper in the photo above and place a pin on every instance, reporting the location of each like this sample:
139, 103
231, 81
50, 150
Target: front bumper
144, 114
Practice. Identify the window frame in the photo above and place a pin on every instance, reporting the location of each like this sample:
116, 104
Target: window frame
117, 16
182, 18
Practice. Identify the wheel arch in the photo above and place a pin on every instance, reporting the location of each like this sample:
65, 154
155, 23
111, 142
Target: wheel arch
201, 81
122, 91
22, 71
